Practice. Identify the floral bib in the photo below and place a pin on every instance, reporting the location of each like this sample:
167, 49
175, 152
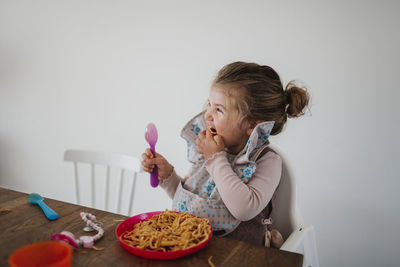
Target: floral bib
198, 194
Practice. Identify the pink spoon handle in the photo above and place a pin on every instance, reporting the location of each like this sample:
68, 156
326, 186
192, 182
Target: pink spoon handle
154, 172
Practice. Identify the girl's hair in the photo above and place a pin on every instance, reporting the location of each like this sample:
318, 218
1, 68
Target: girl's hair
259, 94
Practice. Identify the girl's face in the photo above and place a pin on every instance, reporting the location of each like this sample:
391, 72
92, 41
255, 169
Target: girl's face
222, 115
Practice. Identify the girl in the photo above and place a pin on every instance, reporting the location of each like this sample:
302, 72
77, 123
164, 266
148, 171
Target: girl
234, 173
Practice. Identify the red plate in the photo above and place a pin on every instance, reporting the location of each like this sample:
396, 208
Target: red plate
128, 225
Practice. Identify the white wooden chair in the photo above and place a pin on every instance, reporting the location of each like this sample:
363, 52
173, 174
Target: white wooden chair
116, 163
299, 237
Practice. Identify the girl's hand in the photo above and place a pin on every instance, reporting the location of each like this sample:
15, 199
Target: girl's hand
209, 144
149, 162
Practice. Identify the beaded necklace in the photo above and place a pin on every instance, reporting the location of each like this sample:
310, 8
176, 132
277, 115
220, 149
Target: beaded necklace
85, 241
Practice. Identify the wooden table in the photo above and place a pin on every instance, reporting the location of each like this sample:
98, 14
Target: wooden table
26, 224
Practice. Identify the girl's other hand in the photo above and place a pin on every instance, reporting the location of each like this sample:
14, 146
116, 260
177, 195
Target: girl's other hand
209, 144
149, 162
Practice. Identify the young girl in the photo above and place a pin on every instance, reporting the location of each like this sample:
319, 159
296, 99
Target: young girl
234, 173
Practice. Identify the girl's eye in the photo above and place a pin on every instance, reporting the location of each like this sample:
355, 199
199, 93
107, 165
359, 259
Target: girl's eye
220, 110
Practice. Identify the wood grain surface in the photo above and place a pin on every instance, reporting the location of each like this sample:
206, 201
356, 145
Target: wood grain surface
26, 224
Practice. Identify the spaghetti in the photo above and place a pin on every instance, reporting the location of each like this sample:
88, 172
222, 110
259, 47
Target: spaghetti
168, 231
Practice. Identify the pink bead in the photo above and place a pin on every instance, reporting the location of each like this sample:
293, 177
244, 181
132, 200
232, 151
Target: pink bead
65, 237
69, 234
87, 241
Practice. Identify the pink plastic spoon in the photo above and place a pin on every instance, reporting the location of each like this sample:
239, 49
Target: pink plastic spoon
151, 137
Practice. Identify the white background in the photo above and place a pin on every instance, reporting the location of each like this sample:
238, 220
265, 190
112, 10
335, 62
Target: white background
92, 74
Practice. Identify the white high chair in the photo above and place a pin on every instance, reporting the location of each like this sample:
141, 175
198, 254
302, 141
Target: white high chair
299, 237
118, 162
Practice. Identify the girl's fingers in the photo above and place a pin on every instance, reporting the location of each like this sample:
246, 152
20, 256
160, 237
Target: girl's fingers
218, 140
159, 162
148, 153
147, 166
208, 134
147, 169
149, 163
202, 134
156, 161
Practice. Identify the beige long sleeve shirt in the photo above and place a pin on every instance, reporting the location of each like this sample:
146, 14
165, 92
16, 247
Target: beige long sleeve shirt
244, 201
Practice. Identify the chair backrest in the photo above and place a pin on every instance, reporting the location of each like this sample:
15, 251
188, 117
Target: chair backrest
285, 214
303, 241
286, 217
112, 163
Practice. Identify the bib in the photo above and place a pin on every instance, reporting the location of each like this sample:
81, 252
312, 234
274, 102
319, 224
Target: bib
197, 194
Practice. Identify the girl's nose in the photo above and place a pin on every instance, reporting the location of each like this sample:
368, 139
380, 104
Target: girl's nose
207, 115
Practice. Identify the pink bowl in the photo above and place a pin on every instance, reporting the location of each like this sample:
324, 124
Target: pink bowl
128, 225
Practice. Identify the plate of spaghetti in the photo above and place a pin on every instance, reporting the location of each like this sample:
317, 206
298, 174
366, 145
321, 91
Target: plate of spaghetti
163, 235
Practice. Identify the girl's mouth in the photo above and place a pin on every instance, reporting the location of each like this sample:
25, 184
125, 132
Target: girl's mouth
212, 130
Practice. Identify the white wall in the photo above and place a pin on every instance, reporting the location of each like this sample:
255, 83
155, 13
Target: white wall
92, 74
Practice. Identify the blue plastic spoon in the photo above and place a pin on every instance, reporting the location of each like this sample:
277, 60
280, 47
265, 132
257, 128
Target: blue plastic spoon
151, 137
38, 199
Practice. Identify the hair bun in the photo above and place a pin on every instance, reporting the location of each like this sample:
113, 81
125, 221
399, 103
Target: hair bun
297, 99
